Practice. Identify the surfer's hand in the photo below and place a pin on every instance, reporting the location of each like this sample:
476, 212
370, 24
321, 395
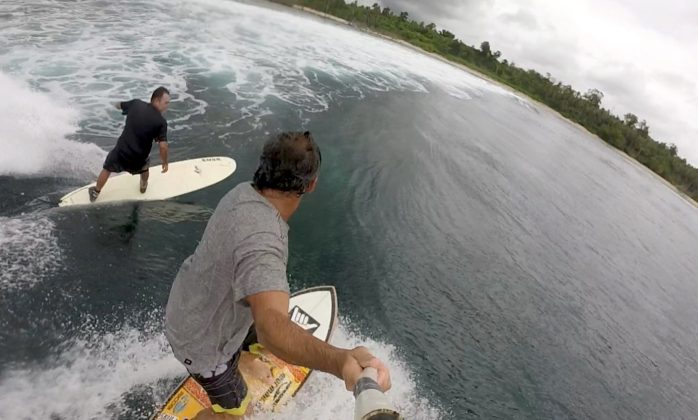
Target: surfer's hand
359, 358
164, 168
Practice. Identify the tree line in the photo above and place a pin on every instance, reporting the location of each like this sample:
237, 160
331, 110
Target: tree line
629, 133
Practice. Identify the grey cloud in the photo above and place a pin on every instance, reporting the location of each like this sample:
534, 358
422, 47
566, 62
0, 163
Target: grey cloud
623, 79
436, 11
521, 18
675, 18
679, 82
542, 55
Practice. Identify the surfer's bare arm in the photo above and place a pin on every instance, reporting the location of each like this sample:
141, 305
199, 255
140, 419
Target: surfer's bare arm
293, 344
161, 140
163, 154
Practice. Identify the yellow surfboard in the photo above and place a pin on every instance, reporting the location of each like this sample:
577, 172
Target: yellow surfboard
271, 382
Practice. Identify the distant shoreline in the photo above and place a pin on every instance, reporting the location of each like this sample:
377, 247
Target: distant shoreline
412, 47
504, 86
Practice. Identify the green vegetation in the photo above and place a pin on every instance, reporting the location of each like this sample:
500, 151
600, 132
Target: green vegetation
628, 134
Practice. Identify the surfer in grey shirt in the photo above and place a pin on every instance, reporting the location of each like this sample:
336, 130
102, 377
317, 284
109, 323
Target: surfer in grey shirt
237, 277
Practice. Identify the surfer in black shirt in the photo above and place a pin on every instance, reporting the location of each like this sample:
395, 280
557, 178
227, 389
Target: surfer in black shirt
144, 125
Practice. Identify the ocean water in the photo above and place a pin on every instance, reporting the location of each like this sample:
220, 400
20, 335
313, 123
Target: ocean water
503, 262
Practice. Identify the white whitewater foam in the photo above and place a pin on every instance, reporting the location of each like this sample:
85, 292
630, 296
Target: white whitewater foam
33, 131
90, 378
28, 251
324, 396
102, 52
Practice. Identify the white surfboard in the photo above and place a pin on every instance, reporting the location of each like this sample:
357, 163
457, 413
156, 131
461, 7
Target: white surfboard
181, 178
270, 381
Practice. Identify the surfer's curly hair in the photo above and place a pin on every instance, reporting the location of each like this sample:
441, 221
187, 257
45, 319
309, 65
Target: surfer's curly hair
289, 162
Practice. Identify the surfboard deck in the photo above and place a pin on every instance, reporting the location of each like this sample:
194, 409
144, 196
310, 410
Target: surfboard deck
182, 177
271, 382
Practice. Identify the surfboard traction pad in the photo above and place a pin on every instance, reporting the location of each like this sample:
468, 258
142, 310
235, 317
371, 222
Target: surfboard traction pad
271, 382
269, 392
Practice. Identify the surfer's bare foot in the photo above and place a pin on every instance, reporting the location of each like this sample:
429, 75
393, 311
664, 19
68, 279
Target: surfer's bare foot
144, 186
253, 368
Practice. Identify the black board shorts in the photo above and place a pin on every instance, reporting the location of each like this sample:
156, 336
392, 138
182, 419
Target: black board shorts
114, 164
228, 390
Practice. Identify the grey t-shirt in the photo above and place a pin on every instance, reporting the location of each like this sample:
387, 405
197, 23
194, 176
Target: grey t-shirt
244, 251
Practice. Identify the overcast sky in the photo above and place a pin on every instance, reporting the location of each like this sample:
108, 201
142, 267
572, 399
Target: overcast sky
642, 54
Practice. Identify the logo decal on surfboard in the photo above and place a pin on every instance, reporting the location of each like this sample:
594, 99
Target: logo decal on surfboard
304, 320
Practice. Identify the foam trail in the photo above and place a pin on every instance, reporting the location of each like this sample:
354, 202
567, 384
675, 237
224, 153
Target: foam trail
91, 377
324, 396
87, 380
28, 251
33, 131
103, 52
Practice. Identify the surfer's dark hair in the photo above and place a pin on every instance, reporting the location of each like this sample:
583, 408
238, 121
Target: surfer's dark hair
157, 93
289, 162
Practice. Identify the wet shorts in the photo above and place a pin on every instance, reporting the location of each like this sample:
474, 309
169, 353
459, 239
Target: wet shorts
225, 386
113, 164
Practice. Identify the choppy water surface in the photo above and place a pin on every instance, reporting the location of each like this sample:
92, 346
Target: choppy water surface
503, 262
